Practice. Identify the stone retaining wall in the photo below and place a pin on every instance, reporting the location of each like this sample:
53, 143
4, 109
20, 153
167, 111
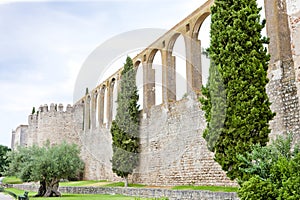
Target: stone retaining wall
142, 192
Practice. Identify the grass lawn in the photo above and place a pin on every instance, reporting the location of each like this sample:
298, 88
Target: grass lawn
121, 184
12, 180
104, 183
84, 183
210, 188
101, 183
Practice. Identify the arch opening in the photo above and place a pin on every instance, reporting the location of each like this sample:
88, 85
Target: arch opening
156, 65
114, 98
101, 108
179, 56
204, 37
105, 108
97, 99
140, 84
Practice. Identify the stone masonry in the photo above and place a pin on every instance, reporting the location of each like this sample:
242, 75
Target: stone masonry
141, 192
282, 88
173, 151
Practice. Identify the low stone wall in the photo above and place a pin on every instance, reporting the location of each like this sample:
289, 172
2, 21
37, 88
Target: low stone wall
142, 192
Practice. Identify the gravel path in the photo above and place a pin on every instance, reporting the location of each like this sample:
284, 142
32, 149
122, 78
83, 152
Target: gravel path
5, 197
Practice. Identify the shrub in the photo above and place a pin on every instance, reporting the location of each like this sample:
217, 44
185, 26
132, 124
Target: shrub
271, 172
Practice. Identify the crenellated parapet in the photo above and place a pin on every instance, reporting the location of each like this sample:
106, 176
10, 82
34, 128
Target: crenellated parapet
45, 110
55, 122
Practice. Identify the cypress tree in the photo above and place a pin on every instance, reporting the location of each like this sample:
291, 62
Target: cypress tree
33, 110
125, 128
240, 61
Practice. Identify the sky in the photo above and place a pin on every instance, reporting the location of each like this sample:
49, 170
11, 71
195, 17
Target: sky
44, 43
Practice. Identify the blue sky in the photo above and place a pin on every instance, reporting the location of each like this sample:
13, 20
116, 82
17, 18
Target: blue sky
44, 43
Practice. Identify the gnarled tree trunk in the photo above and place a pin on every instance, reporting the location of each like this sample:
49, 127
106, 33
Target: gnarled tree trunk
42, 189
49, 188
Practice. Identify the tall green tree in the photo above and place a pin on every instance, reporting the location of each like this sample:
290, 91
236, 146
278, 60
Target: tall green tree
3, 158
241, 60
47, 164
215, 106
125, 128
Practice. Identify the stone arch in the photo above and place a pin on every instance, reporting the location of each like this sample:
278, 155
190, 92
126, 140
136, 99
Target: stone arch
93, 108
97, 102
198, 25
139, 82
101, 108
152, 55
176, 64
155, 63
87, 124
106, 102
109, 102
172, 41
148, 80
193, 53
137, 64
204, 38
83, 113
114, 94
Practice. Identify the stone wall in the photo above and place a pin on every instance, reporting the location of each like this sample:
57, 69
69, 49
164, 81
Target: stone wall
282, 88
55, 124
19, 136
143, 192
96, 152
173, 151
293, 11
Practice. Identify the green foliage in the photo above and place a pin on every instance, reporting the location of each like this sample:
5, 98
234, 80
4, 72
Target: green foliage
257, 188
272, 172
125, 128
215, 106
45, 163
33, 110
236, 105
3, 158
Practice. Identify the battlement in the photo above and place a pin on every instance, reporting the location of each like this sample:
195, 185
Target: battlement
45, 110
55, 108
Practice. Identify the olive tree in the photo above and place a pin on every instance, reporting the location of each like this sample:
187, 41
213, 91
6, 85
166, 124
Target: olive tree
47, 164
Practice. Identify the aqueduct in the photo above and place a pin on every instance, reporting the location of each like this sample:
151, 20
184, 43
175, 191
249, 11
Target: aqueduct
172, 149
189, 29
100, 104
